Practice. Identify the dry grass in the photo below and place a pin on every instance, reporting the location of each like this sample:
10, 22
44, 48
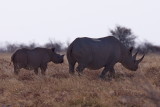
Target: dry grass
59, 89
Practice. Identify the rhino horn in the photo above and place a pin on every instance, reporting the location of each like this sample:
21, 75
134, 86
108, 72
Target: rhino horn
141, 59
134, 56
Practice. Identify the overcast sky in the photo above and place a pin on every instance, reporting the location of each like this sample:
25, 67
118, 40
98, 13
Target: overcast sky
24, 21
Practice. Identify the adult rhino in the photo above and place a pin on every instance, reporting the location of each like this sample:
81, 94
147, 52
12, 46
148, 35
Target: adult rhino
35, 58
101, 52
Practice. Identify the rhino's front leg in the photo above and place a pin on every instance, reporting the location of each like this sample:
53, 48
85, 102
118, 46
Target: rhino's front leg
112, 73
43, 69
36, 71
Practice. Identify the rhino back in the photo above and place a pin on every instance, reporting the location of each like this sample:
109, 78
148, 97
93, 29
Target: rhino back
38, 57
96, 53
30, 59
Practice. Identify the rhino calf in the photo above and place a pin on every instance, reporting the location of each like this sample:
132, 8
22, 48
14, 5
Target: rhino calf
32, 59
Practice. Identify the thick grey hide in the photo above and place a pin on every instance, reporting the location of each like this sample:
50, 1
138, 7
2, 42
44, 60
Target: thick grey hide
101, 52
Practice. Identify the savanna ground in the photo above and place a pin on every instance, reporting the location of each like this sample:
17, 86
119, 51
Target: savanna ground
60, 89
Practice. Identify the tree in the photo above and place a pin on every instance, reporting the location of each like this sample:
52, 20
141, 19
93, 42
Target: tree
124, 35
57, 45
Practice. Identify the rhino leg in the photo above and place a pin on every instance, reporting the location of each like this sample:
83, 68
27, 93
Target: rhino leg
36, 71
71, 67
105, 70
16, 70
112, 73
43, 69
80, 68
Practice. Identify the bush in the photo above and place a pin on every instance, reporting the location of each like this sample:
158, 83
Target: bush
148, 47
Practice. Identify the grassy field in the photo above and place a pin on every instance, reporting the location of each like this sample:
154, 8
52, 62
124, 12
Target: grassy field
60, 89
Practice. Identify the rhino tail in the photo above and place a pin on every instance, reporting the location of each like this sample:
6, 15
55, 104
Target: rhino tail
69, 51
12, 57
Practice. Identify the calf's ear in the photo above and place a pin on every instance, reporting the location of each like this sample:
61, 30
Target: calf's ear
53, 49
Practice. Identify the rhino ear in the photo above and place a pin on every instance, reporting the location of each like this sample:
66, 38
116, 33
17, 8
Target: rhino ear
53, 49
130, 50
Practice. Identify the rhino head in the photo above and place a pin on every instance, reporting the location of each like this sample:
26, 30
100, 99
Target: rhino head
130, 62
56, 58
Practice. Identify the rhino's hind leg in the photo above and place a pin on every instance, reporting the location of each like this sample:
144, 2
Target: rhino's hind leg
36, 71
80, 68
105, 70
71, 66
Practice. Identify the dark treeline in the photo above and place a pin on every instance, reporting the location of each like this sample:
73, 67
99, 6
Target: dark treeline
123, 34
148, 47
10, 48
